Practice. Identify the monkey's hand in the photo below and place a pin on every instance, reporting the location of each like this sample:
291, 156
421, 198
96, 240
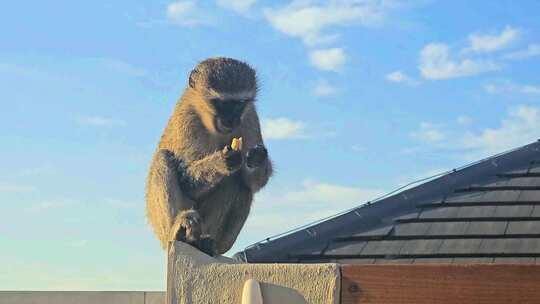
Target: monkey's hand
256, 156
258, 168
233, 158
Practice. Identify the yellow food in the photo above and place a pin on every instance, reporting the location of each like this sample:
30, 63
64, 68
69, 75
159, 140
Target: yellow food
236, 144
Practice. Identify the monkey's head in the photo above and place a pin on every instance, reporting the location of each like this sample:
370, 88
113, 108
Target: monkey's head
225, 88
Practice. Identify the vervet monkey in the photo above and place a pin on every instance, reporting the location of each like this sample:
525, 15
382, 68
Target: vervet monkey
199, 188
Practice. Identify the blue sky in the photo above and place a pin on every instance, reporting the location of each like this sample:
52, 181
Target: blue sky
357, 98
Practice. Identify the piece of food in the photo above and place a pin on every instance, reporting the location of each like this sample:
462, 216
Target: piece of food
236, 144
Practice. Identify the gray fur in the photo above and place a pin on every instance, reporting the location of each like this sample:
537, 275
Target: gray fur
189, 181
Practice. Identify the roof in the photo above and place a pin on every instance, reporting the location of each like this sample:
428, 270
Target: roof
488, 212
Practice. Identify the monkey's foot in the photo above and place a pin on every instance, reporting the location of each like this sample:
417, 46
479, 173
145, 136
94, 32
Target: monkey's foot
206, 245
188, 230
187, 226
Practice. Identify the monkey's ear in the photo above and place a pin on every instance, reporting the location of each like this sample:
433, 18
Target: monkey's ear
192, 77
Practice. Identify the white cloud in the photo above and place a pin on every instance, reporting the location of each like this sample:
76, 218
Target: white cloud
396, 76
428, 132
121, 204
99, 121
532, 50
520, 127
509, 87
308, 21
239, 6
122, 67
38, 171
283, 128
328, 59
314, 200
400, 77
436, 63
359, 148
485, 43
47, 205
464, 120
15, 188
323, 88
317, 192
79, 244
187, 13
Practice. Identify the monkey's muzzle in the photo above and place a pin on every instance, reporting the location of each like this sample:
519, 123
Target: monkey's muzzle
226, 125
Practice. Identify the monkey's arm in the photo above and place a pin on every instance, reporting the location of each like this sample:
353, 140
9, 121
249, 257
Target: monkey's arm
201, 176
257, 169
168, 209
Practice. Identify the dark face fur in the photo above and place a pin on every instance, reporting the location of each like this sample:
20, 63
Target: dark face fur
228, 113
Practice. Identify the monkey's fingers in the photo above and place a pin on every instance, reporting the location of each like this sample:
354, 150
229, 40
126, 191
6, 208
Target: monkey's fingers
240, 143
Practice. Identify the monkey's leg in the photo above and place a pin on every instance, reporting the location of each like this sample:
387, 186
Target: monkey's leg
170, 212
234, 222
224, 211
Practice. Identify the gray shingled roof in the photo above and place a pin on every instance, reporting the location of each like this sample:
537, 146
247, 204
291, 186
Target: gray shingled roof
487, 212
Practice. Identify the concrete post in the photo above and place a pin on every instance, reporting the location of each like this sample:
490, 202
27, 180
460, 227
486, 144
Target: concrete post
195, 278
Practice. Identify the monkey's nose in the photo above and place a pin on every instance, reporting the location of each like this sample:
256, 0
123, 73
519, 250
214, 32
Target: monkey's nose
223, 126
229, 123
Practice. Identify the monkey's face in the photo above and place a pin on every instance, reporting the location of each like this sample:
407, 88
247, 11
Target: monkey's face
227, 87
228, 113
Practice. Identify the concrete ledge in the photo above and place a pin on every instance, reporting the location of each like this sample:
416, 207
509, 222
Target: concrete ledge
195, 278
81, 297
